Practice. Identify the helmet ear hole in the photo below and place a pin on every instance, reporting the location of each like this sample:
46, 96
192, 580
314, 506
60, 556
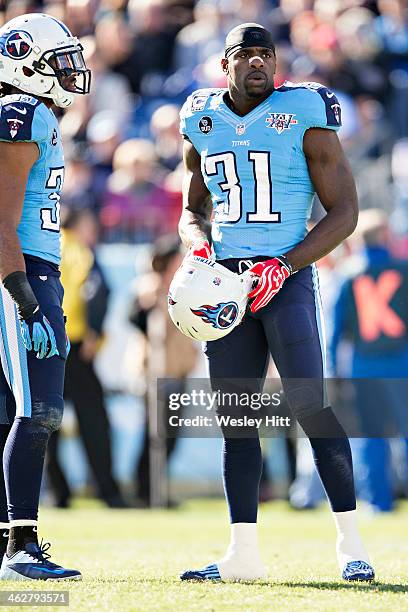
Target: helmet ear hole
28, 72
5, 89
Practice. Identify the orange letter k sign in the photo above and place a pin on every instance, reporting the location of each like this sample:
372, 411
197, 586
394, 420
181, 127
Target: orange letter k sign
375, 316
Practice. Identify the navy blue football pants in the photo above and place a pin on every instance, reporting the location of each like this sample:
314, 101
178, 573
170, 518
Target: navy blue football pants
290, 330
31, 396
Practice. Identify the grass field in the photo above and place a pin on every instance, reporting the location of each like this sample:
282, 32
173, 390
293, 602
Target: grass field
130, 560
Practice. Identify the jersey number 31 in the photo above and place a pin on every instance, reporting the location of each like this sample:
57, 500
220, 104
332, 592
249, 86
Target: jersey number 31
50, 217
231, 212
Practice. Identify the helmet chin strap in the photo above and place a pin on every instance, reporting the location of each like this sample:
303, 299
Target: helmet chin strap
59, 96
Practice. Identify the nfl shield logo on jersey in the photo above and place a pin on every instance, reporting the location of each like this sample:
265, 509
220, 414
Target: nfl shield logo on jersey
280, 121
240, 129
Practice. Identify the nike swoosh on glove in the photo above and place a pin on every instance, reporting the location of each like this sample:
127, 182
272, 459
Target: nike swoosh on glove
201, 249
272, 274
38, 335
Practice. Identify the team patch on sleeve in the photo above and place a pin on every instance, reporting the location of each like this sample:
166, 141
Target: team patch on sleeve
331, 104
198, 101
199, 98
16, 120
321, 109
333, 109
331, 117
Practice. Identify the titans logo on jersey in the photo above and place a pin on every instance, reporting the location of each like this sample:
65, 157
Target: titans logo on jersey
26, 119
254, 166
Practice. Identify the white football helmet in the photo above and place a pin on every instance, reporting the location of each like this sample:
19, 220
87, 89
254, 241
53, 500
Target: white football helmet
39, 55
207, 301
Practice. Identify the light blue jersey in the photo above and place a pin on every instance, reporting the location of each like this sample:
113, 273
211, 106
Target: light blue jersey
26, 119
254, 166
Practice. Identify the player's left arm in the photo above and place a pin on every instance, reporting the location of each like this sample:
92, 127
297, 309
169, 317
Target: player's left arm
334, 184
333, 181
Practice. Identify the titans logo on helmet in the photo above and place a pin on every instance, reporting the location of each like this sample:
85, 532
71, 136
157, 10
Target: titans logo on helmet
221, 316
16, 46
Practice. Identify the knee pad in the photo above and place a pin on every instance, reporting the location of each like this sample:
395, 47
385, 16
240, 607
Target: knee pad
323, 425
305, 397
48, 413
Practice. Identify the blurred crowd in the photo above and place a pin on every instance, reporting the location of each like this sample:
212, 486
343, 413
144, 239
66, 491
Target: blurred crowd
123, 163
122, 145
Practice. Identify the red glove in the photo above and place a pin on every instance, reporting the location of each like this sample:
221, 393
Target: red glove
201, 249
272, 274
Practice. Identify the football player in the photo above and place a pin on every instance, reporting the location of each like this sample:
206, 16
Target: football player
41, 64
254, 157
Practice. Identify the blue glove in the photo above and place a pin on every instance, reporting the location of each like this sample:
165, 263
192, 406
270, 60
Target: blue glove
39, 336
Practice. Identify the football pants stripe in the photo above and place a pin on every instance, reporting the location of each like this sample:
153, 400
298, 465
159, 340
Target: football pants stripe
13, 354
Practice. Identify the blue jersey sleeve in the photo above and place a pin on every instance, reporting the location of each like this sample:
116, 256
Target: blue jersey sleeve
22, 119
198, 102
322, 108
183, 118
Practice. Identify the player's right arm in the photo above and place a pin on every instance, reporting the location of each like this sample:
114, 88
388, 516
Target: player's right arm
16, 161
195, 220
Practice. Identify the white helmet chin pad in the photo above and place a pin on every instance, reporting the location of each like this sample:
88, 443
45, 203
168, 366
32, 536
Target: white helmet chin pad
207, 301
62, 98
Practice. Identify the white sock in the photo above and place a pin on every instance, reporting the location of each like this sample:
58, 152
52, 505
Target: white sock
349, 544
23, 523
242, 560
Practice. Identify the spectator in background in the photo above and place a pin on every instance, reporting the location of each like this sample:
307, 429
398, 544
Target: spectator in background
372, 313
80, 16
205, 36
359, 45
18, 7
392, 29
90, 148
104, 135
179, 354
114, 42
399, 218
164, 127
79, 191
110, 90
136, 206
141, 48
113, 5
85, 304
